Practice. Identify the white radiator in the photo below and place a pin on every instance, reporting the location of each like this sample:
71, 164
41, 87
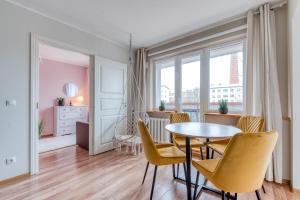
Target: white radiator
157, 129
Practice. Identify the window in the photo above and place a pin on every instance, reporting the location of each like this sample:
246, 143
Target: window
195, 82
226, 73
190, 86
166, 83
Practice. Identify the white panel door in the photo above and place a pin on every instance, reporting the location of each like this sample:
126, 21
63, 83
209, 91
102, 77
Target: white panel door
110, 101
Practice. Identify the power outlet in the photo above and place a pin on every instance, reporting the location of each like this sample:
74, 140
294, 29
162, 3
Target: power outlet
11, 160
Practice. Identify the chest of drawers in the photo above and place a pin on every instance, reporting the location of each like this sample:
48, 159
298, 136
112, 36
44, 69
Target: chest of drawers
65, 118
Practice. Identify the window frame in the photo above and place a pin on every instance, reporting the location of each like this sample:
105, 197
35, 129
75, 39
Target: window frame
204, 54
236, 42
157, 82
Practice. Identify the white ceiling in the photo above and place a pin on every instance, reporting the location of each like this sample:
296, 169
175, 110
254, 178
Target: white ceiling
62, 55
150, 21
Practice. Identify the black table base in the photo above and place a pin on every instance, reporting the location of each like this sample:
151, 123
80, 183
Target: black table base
202, 188
188, 168
201, 130
188, 181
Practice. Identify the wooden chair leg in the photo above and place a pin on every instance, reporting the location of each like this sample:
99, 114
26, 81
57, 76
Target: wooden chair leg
173, 170
201, 153
212, 154
153, 182
145, 173
184, 168
228, 195
196, 186
263, 188
205, 182
257, 195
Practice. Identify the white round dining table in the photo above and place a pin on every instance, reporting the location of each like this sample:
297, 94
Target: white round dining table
201, 130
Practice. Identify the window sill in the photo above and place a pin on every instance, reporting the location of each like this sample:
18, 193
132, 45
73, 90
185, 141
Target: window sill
160, 114
223, 115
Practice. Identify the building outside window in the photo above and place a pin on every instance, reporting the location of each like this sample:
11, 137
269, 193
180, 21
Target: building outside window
226, 77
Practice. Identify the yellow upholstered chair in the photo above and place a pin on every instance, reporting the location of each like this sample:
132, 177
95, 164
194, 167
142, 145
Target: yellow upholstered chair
243, 165
179, 140
158, 154
249, 124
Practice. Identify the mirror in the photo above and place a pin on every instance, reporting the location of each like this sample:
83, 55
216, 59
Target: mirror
70, 90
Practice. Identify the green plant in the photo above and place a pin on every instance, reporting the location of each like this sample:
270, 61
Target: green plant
223, 106
162, 106
41, 127
60, 101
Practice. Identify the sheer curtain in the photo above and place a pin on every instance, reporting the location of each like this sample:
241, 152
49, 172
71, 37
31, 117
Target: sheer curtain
262, 89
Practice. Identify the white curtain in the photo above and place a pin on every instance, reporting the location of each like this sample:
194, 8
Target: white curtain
262, 89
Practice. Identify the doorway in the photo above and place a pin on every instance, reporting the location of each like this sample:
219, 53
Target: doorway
107, 99
70, 92
63, 98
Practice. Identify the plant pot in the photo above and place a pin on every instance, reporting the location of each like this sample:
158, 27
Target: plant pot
161, 108
61, 103
223, 111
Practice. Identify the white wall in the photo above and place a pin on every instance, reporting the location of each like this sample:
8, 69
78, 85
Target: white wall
294, 63
15, 27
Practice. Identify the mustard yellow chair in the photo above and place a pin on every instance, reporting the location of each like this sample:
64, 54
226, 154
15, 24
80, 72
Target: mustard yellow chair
249, 124
179, 140
158, 154
243, 165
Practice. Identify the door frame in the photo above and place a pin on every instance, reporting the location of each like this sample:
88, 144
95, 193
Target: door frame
35, 40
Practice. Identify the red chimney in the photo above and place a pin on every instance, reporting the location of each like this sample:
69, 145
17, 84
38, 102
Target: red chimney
234, 69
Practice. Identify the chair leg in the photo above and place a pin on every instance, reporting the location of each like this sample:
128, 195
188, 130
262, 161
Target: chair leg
205, 182
173, 170
263, 188
235, 196
184, 168
145, 173
257, 195
212, 154
177, 170
153, 182
228, 195
223, 195
201, 153
196, 186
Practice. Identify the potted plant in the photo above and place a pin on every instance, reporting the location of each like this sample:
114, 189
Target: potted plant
162, 106
223, 106
41, 127
60, 101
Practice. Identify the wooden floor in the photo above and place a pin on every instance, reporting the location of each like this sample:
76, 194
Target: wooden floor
70, 173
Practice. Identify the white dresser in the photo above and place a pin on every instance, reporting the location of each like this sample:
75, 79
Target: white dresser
65, 118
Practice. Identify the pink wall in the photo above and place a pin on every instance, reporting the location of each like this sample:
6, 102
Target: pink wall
53, 75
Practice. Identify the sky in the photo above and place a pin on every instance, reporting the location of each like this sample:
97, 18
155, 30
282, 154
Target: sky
220, 69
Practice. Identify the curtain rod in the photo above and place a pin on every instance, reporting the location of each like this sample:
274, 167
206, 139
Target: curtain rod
214, 25
274, 6
277, 5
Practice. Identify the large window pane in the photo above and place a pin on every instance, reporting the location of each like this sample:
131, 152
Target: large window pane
226, 77
166, 75
190, 71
